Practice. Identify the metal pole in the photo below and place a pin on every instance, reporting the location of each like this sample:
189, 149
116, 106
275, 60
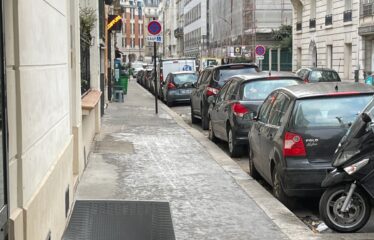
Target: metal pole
155, 66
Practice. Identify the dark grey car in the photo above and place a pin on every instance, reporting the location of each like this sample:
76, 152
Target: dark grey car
313, 75
232, 110
178, 86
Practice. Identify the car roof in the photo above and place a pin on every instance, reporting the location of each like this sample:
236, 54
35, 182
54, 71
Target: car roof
229, 65
327, 89
183, 72
266, 75
317, 69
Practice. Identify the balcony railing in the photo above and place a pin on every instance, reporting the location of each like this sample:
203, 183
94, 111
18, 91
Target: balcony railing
312, 23
299, 26
178, 32
347, 16
328, 20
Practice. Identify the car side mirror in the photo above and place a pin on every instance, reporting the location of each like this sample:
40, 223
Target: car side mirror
194, 84
255, 118
365, 117
211, 99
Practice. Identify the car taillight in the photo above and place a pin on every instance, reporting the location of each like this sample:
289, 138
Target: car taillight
306, 80
171, 86
161, 77
293, 145
211, 91
239, 110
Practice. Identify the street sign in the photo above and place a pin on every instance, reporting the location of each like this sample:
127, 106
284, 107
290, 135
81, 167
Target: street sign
258, 57
156, 39
260, 50
237, 50
154, 27
114, 23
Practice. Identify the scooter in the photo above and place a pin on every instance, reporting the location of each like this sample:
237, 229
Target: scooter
345, 206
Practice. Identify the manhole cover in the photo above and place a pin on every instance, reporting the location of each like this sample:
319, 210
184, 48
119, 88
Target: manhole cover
120, 220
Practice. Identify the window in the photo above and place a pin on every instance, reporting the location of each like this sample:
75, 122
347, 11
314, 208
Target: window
329, 56
230, 95
221, 94
132, 43
266, 107
324, 76
280, 107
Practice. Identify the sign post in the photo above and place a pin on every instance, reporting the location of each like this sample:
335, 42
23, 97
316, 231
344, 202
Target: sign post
260, 52
154, 29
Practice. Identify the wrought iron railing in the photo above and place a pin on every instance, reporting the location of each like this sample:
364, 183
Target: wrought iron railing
299, 26
312, 23
328, 20
347, 16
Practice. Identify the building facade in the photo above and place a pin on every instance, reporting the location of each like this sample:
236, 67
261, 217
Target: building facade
366, 31
131, 40
50, 123
169, 19
195, 28
179, 31
244, 24
325, 35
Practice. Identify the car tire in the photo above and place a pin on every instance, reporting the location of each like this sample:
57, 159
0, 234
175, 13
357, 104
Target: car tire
194, 120
252, 168
278, 190
169, 103
234, 149
211, 135
204, 120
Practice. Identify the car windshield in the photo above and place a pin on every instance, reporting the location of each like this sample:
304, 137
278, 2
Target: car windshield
328, 111
259, 90
324, 76
224, 74
181, 79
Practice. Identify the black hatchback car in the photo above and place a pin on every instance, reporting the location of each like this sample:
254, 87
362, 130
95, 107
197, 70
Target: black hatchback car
209, 83
296, 132
313, 75
232, 110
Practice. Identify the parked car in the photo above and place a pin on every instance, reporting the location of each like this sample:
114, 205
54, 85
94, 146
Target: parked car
232, 110
147, 79
296, 131
177, 87
137, 66
139, 76
312, 75
166, 66
209, 83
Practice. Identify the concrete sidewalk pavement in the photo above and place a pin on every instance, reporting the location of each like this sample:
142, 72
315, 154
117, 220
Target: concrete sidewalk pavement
141, 156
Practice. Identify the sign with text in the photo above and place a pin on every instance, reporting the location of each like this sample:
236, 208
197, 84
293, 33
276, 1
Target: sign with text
156, 39
114, 23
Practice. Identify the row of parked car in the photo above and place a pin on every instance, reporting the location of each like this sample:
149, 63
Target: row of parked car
289, 124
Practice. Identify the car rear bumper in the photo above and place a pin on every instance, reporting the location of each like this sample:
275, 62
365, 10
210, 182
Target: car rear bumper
304, 181
241, 133
178, 96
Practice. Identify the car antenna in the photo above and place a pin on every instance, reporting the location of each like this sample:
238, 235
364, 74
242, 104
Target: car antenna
269, 73
337, 88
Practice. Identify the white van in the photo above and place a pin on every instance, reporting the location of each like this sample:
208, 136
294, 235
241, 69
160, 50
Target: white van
167, 66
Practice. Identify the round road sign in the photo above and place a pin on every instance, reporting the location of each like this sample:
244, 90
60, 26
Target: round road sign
260, 50
154, 28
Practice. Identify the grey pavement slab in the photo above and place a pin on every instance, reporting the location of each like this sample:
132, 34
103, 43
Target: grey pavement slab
141, 156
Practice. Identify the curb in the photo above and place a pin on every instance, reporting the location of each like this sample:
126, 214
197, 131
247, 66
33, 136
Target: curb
285, 220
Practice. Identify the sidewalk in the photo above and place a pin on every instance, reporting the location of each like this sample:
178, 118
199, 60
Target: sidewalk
141, 156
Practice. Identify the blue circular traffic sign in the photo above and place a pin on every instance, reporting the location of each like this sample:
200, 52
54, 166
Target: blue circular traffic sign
154, 28
260, 50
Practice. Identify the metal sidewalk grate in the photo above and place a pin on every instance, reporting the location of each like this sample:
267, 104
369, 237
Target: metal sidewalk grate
120, 220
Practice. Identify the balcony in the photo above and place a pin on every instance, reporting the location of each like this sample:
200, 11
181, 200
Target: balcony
328, 20
312, 23
347, 16
299, 26
178, 33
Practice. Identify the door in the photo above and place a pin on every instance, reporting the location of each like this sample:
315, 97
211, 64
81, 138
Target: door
258, 131
277, 117
3, 141
225, 111
216, 112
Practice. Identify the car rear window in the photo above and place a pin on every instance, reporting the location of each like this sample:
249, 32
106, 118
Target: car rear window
259, 90
181, 79
324, 76
328, 111
223, 75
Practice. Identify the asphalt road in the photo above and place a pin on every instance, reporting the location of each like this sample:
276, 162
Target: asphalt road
305, 209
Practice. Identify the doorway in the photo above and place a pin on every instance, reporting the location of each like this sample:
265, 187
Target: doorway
313, 54
3, 138
348, 61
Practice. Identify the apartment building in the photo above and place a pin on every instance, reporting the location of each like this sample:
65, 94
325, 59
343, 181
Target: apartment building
179, 31
325, 35
366, 31
168, 16
195, 28
131, 40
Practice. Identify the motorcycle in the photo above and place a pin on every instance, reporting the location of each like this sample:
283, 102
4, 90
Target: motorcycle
345, 206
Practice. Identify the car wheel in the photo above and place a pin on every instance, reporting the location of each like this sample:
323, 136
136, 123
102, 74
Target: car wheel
169, 102
252, 168
234, 149
194, 120
278, 190
204, 120
211, 135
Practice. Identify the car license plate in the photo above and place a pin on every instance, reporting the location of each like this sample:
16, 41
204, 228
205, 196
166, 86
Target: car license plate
184, 91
